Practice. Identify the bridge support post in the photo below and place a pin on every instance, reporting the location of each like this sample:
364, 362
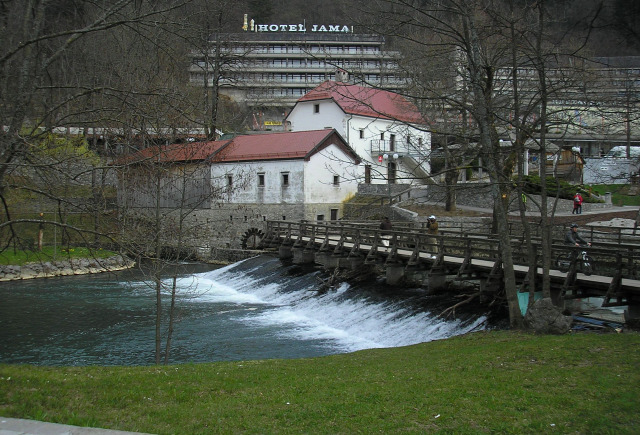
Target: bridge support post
284, 252
352, 263
303, 256
632, 316
327, 260
394, 274
436, 281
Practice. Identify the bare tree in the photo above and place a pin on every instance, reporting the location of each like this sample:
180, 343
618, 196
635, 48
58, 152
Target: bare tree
497, 62
71, 66
72, 71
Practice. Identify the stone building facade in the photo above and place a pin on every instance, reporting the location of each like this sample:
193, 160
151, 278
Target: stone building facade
222, 192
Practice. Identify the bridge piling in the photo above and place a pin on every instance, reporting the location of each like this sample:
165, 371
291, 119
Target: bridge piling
285, 252
469, 257
394, 274
632, 316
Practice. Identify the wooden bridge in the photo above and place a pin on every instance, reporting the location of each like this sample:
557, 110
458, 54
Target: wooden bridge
408, 253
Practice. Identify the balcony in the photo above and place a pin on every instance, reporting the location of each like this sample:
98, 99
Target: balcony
403, 149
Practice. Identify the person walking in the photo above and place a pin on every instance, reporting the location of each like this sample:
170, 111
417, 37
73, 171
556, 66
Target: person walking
432, 230
577, 204
385, 226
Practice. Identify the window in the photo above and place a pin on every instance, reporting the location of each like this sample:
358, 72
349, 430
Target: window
336, 180
316, 108
392, 143
285, 179
382, 136
229, 180
320, 217
261, 180
367, 174
361, 133
334, 214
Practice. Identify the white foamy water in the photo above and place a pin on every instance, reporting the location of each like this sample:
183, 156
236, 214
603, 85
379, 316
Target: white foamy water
255, 309
348, 323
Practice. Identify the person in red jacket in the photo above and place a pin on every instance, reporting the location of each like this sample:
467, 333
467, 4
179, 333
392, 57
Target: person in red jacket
577, 204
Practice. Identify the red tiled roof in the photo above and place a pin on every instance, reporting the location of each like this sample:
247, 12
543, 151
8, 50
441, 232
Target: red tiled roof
184, 152
360, 100
272, 146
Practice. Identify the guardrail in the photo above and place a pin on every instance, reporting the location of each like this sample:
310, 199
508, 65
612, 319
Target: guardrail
356, 239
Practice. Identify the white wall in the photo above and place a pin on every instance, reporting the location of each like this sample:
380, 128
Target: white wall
319, 177
372, 131
308, 182
609, 170
245, 189
302, 117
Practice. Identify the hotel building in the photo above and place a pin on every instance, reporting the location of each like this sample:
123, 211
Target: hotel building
271, 67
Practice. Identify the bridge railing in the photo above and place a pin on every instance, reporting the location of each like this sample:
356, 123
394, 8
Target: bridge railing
594, 233
342, 237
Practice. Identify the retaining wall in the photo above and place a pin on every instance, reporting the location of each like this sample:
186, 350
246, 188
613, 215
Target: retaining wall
49, 269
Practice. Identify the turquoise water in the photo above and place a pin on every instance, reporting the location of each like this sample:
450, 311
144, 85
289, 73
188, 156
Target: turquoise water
255, 309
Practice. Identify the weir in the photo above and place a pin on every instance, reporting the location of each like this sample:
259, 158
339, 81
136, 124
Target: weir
256, 308
462, 256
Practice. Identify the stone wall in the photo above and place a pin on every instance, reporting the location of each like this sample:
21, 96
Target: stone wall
229, 226
382, 189
48, 269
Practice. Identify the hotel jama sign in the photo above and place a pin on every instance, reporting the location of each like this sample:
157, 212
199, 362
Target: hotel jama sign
331, 28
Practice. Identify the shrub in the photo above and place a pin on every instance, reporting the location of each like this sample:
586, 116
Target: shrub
563, 189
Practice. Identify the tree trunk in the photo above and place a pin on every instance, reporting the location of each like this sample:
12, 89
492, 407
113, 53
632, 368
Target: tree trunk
482, 87
172, 309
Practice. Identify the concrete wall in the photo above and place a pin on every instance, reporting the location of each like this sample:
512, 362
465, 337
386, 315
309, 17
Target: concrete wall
227, 225
480, 195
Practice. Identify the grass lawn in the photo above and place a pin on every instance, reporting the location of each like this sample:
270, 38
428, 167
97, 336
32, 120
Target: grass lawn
487, 382
49, 253
621, 194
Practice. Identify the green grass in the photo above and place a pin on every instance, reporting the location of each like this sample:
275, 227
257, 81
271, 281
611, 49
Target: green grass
621, 194
498, 382
50, 253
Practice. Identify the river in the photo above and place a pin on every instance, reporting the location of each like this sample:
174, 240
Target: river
254, 309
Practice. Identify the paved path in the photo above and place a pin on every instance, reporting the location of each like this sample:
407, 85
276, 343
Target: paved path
18, 426
593, 212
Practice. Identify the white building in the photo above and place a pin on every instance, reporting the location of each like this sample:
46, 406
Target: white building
307, 171
384, 128
270, 66
230, 187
